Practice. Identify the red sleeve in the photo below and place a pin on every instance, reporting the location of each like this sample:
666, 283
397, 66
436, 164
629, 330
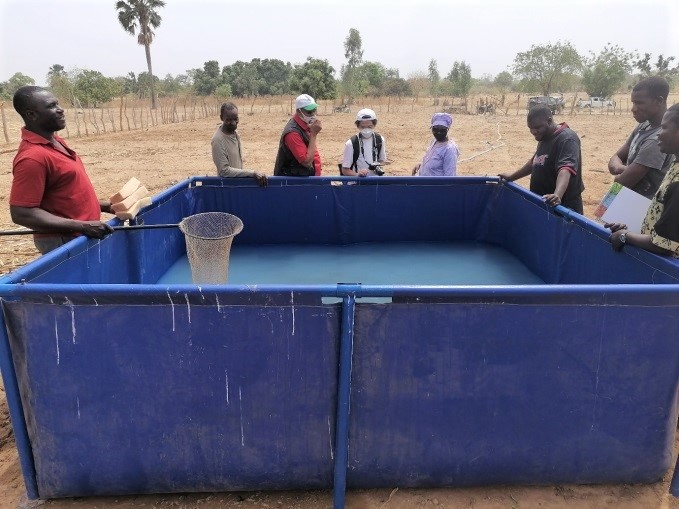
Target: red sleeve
296, 145
568, 168
28, 185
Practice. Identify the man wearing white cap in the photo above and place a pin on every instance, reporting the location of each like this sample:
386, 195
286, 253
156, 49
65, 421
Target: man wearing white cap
440, 159
364, 152
297, 151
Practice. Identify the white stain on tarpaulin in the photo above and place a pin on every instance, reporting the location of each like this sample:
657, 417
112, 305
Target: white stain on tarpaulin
56, 335
598, 368
292, 303
72, 308
172, 307
226, 383
188, 306
240, 408
332, 453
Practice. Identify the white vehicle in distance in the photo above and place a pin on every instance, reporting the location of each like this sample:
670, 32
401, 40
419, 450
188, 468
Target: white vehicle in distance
595, 102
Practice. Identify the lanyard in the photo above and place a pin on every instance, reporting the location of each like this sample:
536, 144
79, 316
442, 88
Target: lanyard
374, 147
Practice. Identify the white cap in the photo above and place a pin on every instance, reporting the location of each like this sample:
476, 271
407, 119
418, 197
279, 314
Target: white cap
305, 102
365, 114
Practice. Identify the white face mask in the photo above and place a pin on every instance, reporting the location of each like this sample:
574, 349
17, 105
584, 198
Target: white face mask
367, 132
309, 119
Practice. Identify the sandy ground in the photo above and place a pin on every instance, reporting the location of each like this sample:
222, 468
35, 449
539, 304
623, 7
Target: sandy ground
163, 155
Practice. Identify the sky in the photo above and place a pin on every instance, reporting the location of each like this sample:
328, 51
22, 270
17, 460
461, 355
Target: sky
487, 34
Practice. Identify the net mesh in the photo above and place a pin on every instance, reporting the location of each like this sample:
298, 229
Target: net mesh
208, 245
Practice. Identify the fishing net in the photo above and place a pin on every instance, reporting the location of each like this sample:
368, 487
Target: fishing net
208, 245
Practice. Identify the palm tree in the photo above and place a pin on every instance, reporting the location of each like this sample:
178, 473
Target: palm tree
141, 15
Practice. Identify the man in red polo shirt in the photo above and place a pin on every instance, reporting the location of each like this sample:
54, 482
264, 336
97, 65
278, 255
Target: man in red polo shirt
297, 151
51, 191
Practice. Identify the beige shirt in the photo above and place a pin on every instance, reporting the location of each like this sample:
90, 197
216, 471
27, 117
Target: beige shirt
227, 155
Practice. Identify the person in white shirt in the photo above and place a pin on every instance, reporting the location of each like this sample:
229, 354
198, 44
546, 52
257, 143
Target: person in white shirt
365, 152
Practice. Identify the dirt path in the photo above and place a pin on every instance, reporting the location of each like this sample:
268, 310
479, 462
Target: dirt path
164, 155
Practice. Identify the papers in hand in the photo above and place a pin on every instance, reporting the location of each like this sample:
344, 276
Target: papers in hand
622, 205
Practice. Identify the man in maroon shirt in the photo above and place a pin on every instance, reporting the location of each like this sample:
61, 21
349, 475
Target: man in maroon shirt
51, 191
297, 151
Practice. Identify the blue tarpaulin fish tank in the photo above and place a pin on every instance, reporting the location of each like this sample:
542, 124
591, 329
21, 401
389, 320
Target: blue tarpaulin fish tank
412, 332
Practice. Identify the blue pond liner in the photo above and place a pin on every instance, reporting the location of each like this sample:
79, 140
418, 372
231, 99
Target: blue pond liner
117, 384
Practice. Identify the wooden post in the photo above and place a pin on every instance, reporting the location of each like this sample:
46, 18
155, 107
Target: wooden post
77, 120
87, 131
121, 113
93, 119
4, 122
518, 103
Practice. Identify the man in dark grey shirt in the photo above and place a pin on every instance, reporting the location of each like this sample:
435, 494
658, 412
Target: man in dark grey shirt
639, 164
226, 147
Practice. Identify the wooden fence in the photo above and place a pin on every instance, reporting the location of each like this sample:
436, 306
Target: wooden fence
128, 114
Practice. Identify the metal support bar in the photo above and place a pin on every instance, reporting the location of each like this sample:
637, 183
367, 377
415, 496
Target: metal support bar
344, 399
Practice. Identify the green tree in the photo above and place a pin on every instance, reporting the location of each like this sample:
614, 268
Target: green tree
661, 67
92, 88
18, 80
223, 90
418, 82
314, 77
504, 81
373, 75
604, 74
171, 86
231, 74
247, 82
273, 76
353, 52
461, 78
141, 15
396, 87
549, 67
207, 79
59, 83
434, 77
145, 85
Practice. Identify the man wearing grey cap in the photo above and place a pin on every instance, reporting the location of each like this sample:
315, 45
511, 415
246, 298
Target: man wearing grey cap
297, 151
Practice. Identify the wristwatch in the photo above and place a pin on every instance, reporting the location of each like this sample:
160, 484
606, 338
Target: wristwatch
623, 238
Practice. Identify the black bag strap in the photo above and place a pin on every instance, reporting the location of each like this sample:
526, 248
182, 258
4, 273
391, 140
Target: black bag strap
377, 149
